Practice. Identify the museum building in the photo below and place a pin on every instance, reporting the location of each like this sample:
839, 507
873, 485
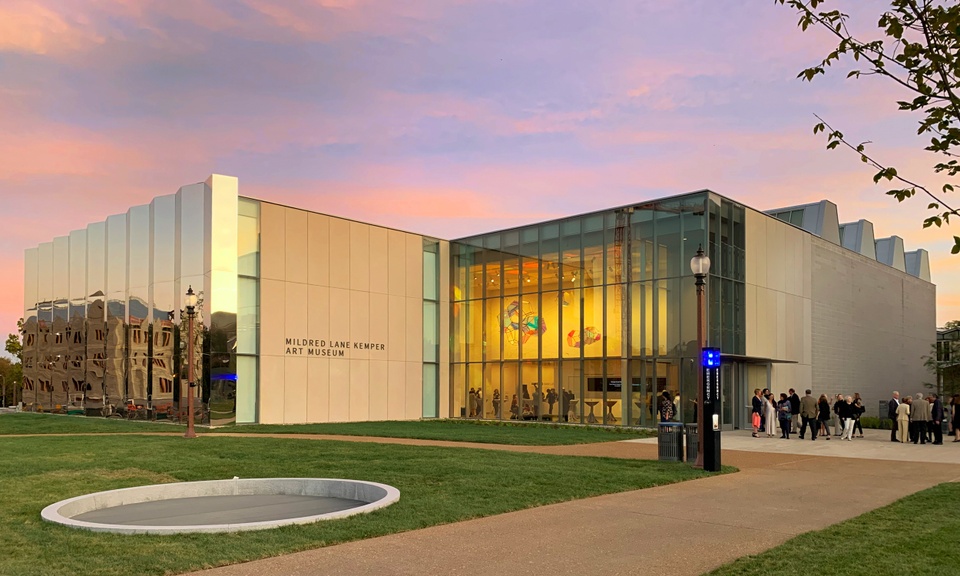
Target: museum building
305, 317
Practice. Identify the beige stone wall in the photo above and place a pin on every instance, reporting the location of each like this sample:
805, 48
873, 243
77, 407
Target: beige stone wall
846, 323
778, 299
872, 326
325, 281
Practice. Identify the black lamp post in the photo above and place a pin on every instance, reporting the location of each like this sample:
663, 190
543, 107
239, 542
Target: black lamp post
700, 265
190, 303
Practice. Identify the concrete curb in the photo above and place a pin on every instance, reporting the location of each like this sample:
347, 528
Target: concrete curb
376, 495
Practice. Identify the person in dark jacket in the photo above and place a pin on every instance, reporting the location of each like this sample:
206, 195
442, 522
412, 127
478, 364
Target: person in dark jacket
892, 414
824, 417
794, 411
756, 415
858, 411
936, 418
784, 416
846, 416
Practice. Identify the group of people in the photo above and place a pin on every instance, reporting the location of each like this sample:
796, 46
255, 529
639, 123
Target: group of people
920, 419
796, 415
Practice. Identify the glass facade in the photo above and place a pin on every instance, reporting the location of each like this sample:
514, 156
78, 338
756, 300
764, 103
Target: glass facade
590, 318
248, 310
431, 329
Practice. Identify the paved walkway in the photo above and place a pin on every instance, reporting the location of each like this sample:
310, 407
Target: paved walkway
686, 528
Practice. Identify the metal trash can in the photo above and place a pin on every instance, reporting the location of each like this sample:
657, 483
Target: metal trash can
693, 442
670, 442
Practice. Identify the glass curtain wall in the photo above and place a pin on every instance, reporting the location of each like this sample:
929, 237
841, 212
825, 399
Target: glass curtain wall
582, 320
248, 310
431, 329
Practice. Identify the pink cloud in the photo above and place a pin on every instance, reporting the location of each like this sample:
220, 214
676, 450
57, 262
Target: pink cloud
30, 27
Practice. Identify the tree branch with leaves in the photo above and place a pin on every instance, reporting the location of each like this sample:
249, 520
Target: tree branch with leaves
919, 52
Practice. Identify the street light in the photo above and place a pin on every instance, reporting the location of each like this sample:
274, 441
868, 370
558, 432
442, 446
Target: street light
700, 265
190, 303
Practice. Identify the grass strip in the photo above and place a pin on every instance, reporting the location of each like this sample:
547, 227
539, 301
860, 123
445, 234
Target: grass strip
915, 536
437, 485
515, 433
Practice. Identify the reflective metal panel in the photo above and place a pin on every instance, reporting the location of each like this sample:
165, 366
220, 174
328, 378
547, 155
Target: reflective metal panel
31, 260
58, 364
31, 371
138, 312
116, 299
191, 235
61, 276
78, 274
96, 259
96, 353
96, 327
164, 299
45, 272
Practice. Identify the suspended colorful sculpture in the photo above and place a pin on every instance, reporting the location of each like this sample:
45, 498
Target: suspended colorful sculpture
519, 328
577, 339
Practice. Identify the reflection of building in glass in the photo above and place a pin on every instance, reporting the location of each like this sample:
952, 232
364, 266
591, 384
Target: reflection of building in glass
587, 319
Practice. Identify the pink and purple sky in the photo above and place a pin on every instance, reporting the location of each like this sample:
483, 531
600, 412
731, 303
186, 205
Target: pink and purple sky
446, 117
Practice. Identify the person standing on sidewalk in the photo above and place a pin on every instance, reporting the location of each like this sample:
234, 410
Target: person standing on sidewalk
824, 406
770, 414
794, 411
903, 420
919, 414
846, 416
936, 418
837, 404
784, 415
756, 412
809, 413
858, 411
892, 406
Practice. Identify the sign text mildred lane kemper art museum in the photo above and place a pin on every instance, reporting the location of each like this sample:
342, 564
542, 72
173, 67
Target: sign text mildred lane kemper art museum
329, 348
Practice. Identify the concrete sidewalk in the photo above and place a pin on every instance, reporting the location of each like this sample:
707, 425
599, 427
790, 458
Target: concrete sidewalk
687, 528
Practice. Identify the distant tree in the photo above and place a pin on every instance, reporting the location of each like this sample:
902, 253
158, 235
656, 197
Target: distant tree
944, 363
917, 50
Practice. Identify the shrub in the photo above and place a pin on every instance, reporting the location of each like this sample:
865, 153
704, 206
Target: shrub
876, 423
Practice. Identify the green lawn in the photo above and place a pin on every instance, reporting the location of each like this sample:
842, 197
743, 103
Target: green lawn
915, 536
437, 485
29, 423
530, 434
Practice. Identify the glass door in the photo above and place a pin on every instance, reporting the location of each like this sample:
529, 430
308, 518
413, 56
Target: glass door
729, 390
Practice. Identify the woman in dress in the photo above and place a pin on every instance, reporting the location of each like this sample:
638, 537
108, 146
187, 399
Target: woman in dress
823, 405
770, 414
756, 412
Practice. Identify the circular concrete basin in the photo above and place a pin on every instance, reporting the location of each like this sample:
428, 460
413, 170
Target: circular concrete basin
220, 505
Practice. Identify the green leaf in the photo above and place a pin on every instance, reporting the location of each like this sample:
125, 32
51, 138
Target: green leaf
956, 245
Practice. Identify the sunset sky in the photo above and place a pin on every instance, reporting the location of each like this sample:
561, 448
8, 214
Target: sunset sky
445, 118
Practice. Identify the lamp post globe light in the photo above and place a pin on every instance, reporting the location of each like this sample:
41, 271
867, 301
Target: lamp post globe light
190, 304
700, 265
